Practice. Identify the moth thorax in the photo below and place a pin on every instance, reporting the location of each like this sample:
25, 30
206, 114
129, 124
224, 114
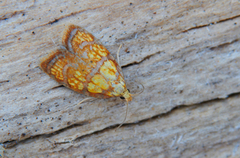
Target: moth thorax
127, 95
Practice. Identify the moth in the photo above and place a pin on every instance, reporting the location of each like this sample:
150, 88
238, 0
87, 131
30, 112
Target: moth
86, 66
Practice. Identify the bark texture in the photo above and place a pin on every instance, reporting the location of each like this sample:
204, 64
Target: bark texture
185, 53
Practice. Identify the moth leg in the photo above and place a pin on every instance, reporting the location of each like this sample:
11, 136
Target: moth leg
86, 99
136, 94
118, 54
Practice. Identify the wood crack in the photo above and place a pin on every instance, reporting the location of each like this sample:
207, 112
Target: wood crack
9, 144
112, 127
212, 23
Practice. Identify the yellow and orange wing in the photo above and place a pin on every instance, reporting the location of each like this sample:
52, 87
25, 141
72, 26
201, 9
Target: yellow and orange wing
85, 66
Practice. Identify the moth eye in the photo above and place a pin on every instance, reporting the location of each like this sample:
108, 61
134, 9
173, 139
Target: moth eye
122, 97
128, 90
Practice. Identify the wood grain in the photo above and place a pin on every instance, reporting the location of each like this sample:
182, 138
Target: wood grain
185, 53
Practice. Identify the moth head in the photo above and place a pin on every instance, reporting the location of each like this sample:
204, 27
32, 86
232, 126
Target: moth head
126, 95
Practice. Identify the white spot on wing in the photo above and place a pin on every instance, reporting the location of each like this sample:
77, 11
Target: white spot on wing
84, 55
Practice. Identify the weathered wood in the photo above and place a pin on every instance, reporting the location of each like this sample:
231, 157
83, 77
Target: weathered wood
185, 53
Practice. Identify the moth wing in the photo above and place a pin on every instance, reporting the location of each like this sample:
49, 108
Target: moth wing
85, 66
82, 43
54, 63
63, 67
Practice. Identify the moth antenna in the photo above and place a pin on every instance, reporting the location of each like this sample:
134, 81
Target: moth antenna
118, 54
124, 118
86, 99
139, 92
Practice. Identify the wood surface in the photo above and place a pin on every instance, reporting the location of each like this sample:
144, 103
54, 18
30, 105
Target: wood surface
185, 53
